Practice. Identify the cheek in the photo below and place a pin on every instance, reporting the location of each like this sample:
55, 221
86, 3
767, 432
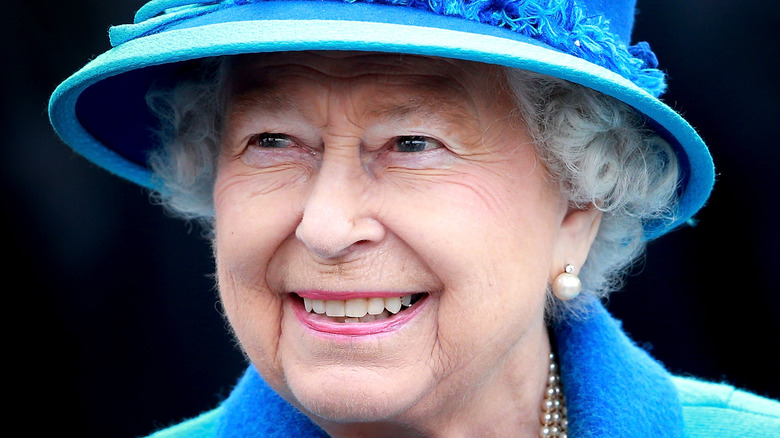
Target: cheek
249, 229
481, 225
490, 242
252, 220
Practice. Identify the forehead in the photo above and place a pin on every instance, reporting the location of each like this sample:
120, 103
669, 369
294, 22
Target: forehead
440, 82
392, 87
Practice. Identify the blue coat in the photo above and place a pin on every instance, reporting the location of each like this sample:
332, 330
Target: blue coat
613, 389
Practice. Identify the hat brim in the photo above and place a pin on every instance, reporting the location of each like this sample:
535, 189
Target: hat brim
101, 113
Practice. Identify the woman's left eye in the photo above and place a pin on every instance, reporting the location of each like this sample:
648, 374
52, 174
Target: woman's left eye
415, 143
270, 140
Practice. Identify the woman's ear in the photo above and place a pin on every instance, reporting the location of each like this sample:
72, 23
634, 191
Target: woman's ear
575, 237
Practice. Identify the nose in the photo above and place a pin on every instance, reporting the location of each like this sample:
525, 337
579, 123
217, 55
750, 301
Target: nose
337, 216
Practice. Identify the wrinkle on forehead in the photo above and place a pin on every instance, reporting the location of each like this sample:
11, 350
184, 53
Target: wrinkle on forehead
440, 90
347, 65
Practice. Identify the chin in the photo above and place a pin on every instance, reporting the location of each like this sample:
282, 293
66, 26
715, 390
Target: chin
355, 396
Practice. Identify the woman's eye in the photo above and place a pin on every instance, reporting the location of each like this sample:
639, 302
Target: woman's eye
416, 143
270, 140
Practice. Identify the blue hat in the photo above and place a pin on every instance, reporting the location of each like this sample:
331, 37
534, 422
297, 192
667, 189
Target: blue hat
101, 113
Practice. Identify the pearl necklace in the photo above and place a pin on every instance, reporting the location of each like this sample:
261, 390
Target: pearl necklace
553, 416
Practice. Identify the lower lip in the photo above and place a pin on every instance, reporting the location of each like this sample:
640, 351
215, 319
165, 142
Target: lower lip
355, 329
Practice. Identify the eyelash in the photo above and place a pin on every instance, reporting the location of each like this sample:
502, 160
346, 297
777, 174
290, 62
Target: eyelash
416, 140
267, 137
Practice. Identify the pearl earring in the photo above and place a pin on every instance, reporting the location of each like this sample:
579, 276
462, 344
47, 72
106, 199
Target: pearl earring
567, 286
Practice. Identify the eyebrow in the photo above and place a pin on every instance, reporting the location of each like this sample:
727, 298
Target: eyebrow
436, 108
433, 109
247, 103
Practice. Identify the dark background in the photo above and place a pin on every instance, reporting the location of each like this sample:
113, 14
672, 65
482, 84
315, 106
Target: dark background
112, 316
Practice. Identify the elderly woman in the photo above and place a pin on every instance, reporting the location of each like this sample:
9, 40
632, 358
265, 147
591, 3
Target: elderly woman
415, 209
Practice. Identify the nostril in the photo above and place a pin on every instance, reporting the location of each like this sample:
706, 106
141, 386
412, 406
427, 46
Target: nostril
322, 241
368, 229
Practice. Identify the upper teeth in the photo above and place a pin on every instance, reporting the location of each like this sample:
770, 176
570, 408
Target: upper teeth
357, 307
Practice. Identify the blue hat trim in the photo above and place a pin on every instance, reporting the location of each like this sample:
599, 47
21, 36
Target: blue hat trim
562, 25
100, 111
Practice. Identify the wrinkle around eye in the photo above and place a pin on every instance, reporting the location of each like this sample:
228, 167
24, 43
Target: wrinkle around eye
418, 178
395, 161
262, 181
462, 181
262, 171
261, 158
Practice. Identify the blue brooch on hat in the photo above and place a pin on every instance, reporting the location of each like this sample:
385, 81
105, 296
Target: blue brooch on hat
562, 25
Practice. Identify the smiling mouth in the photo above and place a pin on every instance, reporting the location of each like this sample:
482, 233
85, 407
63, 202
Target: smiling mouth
357, 310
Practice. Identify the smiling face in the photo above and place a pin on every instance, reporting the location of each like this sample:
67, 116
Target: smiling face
349, 182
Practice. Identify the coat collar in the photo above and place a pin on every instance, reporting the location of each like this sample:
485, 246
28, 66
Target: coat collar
613, 389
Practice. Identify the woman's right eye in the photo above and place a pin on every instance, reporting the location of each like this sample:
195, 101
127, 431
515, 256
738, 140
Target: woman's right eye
270, 140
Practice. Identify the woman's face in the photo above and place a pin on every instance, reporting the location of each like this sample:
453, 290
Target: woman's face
350, 182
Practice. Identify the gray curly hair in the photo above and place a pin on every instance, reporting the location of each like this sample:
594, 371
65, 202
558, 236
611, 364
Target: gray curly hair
597, 149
